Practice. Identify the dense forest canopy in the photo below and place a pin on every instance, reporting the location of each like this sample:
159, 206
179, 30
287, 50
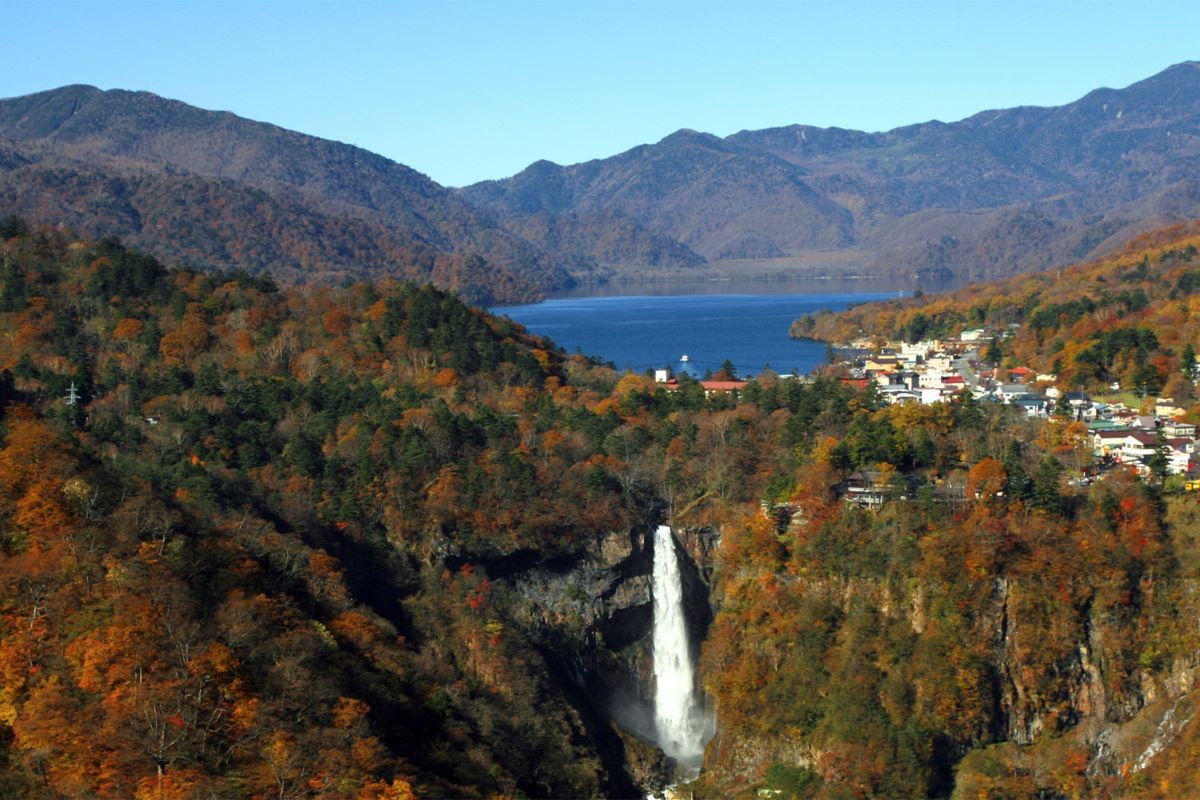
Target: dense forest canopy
258, 541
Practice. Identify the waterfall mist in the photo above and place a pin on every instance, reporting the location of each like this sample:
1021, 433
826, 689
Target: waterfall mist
679, 720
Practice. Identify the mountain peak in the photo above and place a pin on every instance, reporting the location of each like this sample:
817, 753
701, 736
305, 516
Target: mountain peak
1171, 94
1183, 67
36, 115
689, 135
1007, 189
401, 219
544, 166
1185, 74
69, 90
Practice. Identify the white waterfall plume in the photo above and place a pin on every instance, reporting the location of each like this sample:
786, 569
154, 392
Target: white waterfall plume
680, 721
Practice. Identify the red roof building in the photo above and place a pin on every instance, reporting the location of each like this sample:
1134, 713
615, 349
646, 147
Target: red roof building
711, 387
1020, 374
722, 387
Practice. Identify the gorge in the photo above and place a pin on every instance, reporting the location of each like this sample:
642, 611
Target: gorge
325, 479
368, 539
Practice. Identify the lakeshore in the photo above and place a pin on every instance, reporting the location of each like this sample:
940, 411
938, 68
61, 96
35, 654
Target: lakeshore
646, 332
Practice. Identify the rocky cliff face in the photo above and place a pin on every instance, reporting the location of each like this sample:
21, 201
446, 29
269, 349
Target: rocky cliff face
592, 618
1115, 718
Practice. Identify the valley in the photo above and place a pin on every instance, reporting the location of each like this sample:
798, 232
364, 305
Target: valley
308, 490
368, 541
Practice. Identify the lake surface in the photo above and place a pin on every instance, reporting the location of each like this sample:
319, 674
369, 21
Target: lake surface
640, 332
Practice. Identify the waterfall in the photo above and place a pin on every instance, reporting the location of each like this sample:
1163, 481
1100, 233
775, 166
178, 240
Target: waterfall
681, 723
1169, 729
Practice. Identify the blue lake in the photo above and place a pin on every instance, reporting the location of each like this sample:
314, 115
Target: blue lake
643, 332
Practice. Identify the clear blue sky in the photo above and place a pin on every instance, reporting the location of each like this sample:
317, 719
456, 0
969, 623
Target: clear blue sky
465, 90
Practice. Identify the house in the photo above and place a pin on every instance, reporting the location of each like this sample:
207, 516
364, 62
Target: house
1124, 416
1129, 417
733, 388
1165, 407
941, 362
1140, 467
973, 335
1177, 429
1108, 441
954, 383
711, 388
930, 379
1020, 375
1011, 391
919, 350
1137, 446
1181, 443
881, 363
896, 393
951, 492
931, 394
866, 489
1033, 405
1178, 463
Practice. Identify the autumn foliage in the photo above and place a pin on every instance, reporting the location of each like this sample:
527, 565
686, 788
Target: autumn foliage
272, 550
1128, 318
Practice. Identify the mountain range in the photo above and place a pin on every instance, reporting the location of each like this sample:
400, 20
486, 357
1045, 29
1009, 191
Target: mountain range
216, 190
1000, 192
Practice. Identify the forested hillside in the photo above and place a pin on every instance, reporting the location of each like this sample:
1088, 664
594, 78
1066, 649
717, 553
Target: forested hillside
219, 224
369, 542
1131, 319
224, 570
218, 191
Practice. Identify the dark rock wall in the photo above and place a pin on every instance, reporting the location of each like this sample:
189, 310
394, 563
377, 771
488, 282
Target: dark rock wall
593, 619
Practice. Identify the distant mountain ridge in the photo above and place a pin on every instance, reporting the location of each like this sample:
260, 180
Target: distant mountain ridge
334, 209
999, 192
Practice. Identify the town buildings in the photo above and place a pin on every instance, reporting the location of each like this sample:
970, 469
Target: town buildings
937, 371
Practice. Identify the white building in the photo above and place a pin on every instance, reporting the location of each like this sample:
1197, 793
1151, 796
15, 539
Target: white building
930, 379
